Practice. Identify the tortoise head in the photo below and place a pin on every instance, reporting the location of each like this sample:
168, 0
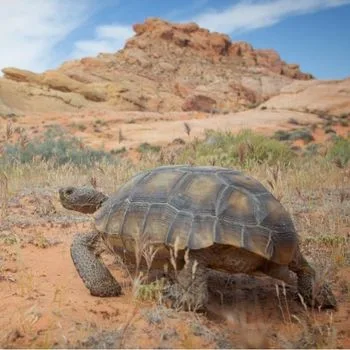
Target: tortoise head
83, 199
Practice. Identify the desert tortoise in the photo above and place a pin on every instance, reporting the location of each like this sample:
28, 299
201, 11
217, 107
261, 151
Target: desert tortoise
225, 219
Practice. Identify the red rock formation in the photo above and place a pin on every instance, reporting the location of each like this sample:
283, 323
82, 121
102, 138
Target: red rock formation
165, 67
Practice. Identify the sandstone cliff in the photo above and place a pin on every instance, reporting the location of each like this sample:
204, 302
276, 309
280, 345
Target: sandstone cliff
164, 67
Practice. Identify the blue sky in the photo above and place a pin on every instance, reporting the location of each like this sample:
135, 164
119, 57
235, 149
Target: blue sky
41, 34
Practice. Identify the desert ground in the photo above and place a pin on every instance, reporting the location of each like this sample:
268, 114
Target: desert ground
44, 302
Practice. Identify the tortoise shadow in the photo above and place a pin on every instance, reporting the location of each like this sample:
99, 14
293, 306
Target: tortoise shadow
254, 298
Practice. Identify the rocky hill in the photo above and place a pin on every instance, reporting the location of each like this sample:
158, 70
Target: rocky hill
164, 67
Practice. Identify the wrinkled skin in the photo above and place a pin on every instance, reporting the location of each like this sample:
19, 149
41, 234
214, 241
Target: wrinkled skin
83, 199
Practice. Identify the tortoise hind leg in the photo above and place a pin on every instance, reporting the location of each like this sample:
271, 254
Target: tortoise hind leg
280, 272
314, 293
190, 292
91, 269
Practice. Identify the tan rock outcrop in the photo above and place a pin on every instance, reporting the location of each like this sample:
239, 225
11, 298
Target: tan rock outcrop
314, 96
164, 67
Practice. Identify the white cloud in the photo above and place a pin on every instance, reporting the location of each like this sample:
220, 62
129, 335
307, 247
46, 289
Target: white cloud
249, 15
30, 30
108, 38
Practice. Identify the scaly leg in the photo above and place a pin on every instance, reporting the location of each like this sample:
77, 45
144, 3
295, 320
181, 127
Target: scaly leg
91, 269
315, 294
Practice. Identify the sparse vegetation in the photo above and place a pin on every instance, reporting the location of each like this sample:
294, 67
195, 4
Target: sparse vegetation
187, 128
78, 126
118, 150
146, 147
340, 151
298, 134
244, 149
56, 146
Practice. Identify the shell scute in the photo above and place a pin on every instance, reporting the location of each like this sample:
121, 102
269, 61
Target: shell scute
201, 235
134, 220
197, 193
237, 206
156, 187
180, 230
242, 181
159, 219
228, 232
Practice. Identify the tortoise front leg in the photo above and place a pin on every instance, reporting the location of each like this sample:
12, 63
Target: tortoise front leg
91, 269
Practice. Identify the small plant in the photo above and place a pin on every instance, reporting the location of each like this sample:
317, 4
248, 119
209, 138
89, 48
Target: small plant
78, 126
118, 151
178, 141
245, 149
187, 128
55, 146
301, 134
281, 135
100, 122
8, 131
121, 137
312, 149
340, 151
329, 130
149, 292
146, 147
344, 123
3, 194
293, 121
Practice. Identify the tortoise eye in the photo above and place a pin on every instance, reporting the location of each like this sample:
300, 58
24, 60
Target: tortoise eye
69, 191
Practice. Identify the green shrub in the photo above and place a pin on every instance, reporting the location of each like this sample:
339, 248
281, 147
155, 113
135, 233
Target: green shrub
340, 151
281, 135
244, 148
312, 149
118, 150
293, 135
146, 147
329, 130
55, 146
301, 134
344, 123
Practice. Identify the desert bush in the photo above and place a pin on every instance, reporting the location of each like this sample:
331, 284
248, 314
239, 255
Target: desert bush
293, 121
55, 146
118, 150
340, 151
344, 123
245, 149
329, 130
312, 149
146, 147
301, 134
281, 135
298, 134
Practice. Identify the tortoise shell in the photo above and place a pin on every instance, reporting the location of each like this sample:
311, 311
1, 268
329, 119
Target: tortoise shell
201, 206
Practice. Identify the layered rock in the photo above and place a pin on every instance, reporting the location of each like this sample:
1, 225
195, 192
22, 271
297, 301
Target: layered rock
164, 67
316, 96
